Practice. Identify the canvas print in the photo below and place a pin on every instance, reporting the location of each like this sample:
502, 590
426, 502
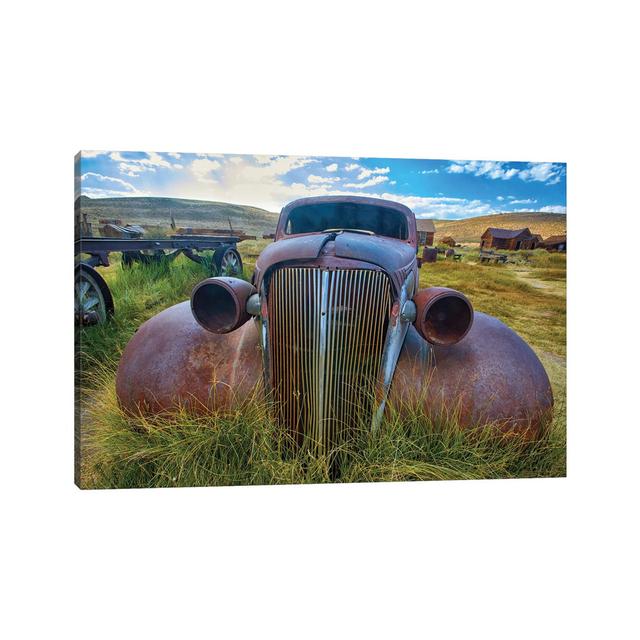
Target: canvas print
247, 319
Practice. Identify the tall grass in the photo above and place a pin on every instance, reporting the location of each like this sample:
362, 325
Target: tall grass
139, 292
247, 447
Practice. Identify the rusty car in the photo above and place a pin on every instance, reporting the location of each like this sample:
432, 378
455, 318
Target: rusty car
334, 329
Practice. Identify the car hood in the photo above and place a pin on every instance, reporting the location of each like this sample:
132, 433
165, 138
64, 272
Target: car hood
395, 257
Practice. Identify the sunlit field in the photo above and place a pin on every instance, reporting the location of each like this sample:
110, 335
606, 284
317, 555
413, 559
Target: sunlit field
246, 447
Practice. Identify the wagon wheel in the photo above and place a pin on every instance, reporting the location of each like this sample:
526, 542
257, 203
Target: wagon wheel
93, 303
227, 262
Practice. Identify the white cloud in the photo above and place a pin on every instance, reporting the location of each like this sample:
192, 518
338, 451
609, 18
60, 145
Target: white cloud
442, 207
539, 172
135, 166
125, 186
332, 167
265, 181
202, 169
257, 181
547, 172
365, 173
101, 186
488, 168
174, 155
501, 198
525, 201
425, 172
536, 171
555, 208
369, 183
93, 154
262, 182
321, 179
97, 192
352, 167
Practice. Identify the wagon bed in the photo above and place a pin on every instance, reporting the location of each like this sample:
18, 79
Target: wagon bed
93, 300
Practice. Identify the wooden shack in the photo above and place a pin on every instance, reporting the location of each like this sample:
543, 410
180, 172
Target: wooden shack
555, 243
509, 239
537, 240
426, 231
449, 241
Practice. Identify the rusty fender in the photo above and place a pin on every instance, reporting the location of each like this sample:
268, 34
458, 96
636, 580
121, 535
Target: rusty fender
171, 360
492, 376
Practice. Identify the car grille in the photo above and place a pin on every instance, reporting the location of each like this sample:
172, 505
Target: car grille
326, 334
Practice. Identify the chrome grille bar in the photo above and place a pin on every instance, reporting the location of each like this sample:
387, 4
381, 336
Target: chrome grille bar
327, 331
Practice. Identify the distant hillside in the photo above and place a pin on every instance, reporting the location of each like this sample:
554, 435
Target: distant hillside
470, 230
187, 213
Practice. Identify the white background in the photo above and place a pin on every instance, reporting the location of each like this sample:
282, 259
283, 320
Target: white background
545, 81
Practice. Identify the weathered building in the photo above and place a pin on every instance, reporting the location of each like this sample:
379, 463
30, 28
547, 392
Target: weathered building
555, 243
509, 239
426, 231
449, 241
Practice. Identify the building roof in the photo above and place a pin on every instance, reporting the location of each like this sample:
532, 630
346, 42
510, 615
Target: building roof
507, 234
556, 239
424, 224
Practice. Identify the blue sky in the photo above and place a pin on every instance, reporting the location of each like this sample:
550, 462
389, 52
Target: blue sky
432, 188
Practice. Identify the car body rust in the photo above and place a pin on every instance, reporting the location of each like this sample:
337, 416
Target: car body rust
440, 357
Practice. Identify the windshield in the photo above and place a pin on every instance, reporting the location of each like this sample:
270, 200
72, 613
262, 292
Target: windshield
382, 221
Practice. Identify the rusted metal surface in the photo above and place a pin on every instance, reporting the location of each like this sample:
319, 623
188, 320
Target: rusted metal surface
131, 231
288, 250
395, 258
491, 377
204, 234
429, 254
219, 304
171, 361
443, 316
334, 313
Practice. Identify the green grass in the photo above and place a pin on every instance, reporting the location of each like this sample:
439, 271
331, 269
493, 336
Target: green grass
139, 292
246, 447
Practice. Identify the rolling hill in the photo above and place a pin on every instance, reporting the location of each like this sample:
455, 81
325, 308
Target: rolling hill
470, 229
157, 212
147, 211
